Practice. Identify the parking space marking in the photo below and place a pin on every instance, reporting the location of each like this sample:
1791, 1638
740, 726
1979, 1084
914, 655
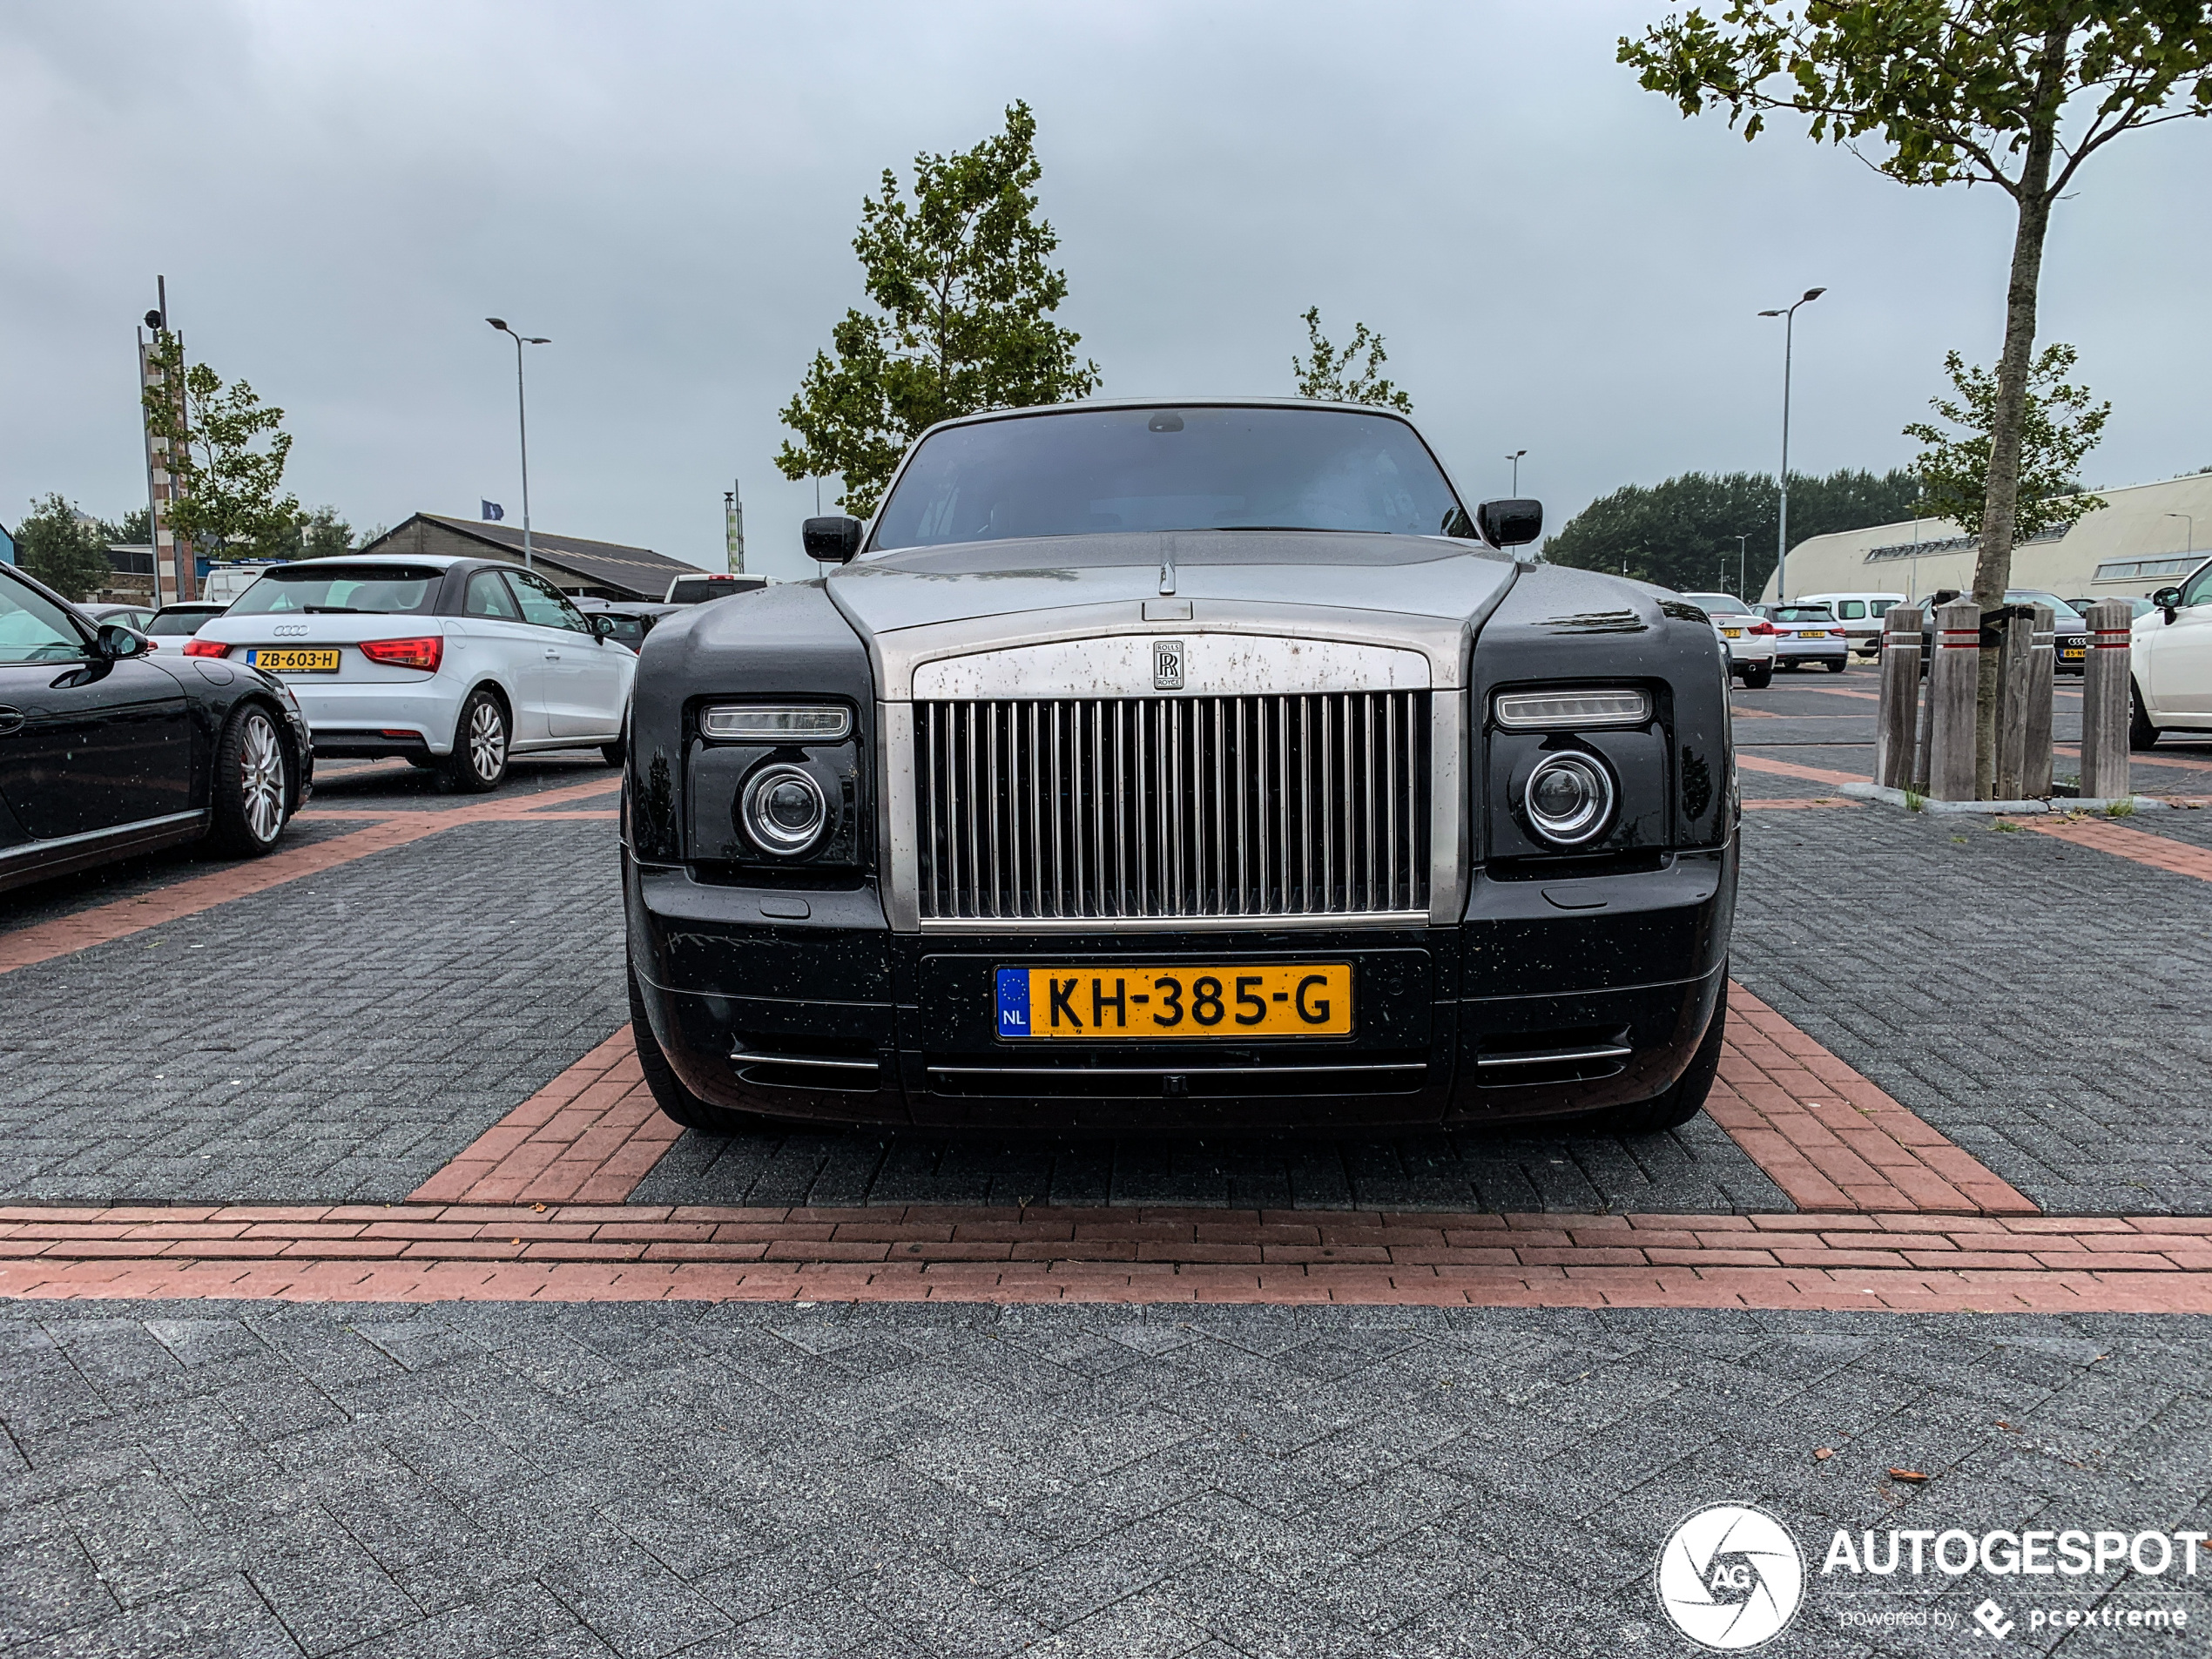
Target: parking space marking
1832, 1139
589, 1137
2160, 852
1791, 769
587, 1252
1838, 691
42, 941
2155, 759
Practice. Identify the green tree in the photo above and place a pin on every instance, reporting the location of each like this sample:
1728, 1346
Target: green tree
64, 549
134, 528
964, 298
1327, 374
228, 502
2058, 427
1953, 92
321, 534
1682, 534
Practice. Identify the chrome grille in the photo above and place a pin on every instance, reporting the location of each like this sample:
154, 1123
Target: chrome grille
1158, 807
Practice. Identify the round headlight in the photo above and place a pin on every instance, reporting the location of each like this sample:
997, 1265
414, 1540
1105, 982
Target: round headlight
784, 810
1569, 799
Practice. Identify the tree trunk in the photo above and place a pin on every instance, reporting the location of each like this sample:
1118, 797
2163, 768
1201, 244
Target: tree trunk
2000, 503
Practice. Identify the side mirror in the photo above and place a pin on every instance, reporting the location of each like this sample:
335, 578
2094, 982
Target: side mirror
116, 642
602, 626
833, 539
1510, 523
2169, 601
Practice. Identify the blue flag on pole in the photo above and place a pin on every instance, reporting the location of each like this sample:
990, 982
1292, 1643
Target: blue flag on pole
493, 511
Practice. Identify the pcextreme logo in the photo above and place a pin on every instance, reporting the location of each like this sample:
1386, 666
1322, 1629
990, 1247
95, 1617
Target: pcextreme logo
1730, 1577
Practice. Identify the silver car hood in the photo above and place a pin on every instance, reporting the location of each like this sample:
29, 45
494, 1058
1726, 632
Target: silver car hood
1419, 593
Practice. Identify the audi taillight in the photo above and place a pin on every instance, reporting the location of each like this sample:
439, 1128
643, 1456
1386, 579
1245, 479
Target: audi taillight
425, 653
205, 648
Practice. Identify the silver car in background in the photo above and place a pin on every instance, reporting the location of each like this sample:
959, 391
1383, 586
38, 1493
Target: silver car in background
1808, 634
1751, 638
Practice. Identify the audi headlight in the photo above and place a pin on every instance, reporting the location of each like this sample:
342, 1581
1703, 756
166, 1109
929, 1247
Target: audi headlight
1569, 799
784, 810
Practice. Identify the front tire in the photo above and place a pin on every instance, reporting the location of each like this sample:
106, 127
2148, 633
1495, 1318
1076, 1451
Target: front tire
2142, 734
1758, 675
676, 1102
1687, 1099
480, 741
252, 795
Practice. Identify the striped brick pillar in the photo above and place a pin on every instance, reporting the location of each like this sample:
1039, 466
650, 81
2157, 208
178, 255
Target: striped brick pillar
1951, 700
2104, 703
1896, 727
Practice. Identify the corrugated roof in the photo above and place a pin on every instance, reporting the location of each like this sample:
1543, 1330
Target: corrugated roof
639, 569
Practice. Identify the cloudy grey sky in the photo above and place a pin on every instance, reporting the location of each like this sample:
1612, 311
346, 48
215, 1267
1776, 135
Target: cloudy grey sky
339, 193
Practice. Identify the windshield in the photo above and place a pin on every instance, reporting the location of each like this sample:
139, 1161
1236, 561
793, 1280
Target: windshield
1094, 471
2062, 612
392, 589
188, 621
33, 628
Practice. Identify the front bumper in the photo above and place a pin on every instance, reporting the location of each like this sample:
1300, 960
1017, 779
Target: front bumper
1551, 997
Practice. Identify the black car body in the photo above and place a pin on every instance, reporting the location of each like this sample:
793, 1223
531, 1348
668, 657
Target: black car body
107, 750
1181, 781
2069, 630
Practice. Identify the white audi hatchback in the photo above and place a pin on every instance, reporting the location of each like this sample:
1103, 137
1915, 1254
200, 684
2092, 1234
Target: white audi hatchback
454, 663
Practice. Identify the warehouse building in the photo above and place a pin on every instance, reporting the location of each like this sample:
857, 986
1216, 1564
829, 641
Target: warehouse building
580, 568
2146, 536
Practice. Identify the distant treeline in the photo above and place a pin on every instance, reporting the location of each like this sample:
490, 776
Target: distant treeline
1682, 534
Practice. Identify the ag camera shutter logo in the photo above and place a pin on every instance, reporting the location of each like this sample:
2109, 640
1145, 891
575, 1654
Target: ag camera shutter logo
1730, 1577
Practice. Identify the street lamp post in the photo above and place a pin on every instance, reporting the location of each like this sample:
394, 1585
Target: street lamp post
2190, 520
521, 424
1788, 315
1515, 459
1740, 541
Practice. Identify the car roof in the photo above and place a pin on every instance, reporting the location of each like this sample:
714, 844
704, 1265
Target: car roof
1090, 405
431, 560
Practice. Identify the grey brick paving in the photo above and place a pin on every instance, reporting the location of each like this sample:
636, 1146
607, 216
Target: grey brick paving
1697, 1169
338, 1037
479, 1479
2042, 1004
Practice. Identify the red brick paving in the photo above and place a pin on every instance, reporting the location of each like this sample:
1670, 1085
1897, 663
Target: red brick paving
1831, 1139
590, 1135
1791, 769
2155, 758
103, 923
436, 1252
2159, 851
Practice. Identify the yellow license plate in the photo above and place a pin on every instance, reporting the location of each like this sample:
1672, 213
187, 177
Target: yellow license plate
294, 659
2071, 651
1303, 1000
1812, 633
1731, 633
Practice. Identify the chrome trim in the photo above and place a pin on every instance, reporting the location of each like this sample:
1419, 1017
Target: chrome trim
1553, 1057
1157, 821
113, 833
1450, 809
1165, 1071
1214, 665
971, 926
747, 1057
896, 826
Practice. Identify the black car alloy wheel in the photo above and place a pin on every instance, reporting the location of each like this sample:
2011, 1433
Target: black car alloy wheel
252, 791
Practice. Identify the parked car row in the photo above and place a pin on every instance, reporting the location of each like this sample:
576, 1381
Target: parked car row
125, 728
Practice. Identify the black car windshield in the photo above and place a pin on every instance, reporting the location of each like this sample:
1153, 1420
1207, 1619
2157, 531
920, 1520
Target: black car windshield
33, 628
1087, 472
390, 590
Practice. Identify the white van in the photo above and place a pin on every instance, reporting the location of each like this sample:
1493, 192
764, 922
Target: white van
1860, 613
224, 582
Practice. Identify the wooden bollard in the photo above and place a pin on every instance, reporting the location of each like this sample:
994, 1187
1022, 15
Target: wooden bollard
1951, 700
2035, 765
2104, 703
2016, 650
1898, 728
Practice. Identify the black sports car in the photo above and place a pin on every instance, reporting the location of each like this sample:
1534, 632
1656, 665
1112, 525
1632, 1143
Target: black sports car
106, 751
1198, 764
